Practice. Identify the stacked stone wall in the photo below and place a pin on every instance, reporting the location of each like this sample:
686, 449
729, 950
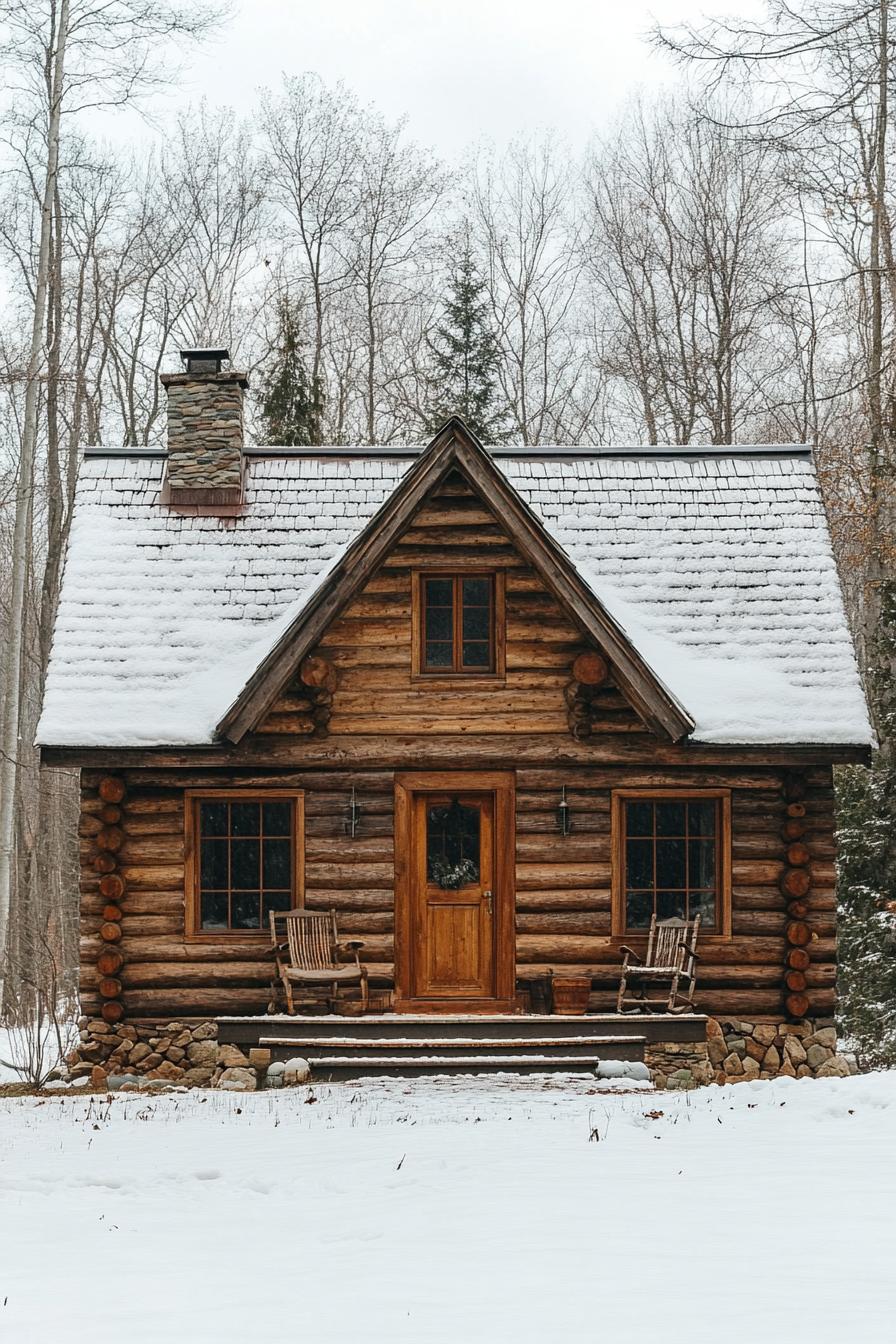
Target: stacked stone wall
173, 1053
739, 1050
189, 1054
205, 431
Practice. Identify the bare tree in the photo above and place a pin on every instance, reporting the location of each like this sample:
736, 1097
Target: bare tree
689, 257
527, 223
210, 187
388, 250
312, 137
822, 69
61, 57
56, 42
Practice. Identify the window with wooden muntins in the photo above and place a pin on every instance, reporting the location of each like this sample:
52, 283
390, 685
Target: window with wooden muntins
457, 623
671, 851
245, 860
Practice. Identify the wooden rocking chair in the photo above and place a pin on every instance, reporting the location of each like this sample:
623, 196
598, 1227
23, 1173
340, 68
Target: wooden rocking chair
671, 959
306, 949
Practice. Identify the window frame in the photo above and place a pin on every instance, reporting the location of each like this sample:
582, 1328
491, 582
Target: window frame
460, 676
193, 929
722, 797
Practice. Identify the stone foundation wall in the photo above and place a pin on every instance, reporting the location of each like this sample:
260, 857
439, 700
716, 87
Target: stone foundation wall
739, 1051
172, 1053
125, 1057
678, 1065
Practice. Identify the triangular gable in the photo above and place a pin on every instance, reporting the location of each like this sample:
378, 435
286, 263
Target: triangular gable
456, 448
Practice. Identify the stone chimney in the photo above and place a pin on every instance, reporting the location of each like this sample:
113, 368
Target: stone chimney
205, 430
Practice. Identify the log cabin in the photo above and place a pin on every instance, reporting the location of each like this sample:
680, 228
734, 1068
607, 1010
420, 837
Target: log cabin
494, 707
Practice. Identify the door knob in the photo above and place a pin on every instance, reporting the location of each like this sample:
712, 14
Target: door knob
488, 901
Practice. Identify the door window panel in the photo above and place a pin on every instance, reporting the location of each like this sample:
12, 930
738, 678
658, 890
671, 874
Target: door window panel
453, 842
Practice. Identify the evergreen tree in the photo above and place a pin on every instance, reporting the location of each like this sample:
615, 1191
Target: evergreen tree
466, 355
866, 943
292, 403
866, 836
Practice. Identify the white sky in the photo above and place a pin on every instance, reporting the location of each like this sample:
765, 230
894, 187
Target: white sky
460, 69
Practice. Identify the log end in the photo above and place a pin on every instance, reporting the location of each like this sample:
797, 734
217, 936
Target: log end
797, 933
111, 839
111, 789
591, 669
112, 886
797, 1005
109, 962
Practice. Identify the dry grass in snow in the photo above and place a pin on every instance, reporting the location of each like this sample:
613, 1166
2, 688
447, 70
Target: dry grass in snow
458, 1210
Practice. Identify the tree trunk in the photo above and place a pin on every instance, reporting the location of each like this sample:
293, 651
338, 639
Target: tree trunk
24, 488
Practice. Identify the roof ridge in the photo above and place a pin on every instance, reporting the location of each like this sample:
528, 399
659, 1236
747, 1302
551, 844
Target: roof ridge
571, 450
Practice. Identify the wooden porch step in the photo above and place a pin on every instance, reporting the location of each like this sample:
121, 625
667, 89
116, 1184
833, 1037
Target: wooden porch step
452, 1043
396, 1044
247, 1031
355, 1065
355, 1057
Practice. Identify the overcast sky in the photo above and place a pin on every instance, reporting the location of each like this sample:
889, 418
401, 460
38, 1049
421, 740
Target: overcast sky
460, 69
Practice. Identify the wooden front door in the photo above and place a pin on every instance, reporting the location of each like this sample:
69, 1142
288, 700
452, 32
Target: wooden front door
454, 893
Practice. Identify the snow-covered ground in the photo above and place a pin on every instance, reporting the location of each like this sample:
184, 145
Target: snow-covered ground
453, 1210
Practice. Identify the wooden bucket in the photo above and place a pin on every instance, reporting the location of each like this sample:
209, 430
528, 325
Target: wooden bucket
571, 994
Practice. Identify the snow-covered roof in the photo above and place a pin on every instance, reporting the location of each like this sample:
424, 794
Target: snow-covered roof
717, 566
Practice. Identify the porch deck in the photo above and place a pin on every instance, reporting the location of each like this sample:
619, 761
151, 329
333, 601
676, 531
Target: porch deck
401, 1044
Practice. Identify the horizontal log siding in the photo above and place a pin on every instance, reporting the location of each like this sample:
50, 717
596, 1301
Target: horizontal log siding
563, 885
370, 646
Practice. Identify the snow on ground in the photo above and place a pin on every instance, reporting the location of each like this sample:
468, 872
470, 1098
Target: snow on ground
459, 1210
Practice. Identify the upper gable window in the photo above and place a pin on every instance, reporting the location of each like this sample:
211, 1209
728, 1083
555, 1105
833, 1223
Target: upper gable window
458, 620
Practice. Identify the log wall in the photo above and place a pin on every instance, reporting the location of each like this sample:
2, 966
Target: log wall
369, 645
563, 886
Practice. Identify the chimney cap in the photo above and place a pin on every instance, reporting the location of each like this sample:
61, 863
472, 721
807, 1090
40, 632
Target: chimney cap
204, 361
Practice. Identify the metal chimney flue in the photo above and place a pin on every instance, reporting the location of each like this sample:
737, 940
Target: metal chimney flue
204, 361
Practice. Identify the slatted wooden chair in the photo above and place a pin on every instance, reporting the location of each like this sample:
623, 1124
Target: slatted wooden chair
306, 949
670, 961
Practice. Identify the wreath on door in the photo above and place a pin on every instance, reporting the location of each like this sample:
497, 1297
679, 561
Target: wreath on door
452, 876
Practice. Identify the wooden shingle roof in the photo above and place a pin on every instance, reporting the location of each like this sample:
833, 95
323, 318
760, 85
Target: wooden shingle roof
712, 571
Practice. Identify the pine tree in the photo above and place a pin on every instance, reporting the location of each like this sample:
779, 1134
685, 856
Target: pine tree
466, 356
866, 941
292, 403
866, 870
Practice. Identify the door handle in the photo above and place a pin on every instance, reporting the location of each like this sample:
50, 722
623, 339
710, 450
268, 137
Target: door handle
489, 900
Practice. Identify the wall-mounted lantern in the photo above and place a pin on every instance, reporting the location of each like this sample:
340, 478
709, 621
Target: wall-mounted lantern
564, 818
352, 815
